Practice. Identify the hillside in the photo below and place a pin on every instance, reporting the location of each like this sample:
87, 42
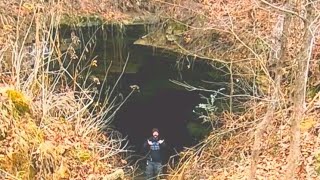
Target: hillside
51, 129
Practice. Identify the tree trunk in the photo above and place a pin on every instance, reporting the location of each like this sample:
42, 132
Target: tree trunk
299, 92
280, 42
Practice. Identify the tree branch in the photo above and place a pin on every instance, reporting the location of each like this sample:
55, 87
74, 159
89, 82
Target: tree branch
283, 10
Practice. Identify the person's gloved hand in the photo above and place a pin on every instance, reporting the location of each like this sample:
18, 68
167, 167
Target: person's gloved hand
161, 141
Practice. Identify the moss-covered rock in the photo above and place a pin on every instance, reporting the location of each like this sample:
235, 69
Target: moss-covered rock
81, 21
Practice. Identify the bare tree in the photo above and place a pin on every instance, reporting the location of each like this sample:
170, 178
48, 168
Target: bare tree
277, 57
300, 84
300, 62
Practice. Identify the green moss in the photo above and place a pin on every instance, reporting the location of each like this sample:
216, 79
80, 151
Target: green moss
175, 28
261, 46
81, 21
312, 91
19, 101
83, 155
317, 163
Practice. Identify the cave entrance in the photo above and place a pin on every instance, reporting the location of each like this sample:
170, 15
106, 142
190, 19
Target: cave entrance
159, 104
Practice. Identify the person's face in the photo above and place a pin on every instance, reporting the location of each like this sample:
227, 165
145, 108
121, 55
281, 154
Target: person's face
155, 134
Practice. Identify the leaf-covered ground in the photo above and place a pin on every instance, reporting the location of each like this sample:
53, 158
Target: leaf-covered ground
226, 153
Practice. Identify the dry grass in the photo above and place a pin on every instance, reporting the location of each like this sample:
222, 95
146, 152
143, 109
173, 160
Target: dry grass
226, 153
49, 129
54, 147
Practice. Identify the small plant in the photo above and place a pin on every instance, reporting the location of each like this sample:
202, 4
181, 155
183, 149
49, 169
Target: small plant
206, 111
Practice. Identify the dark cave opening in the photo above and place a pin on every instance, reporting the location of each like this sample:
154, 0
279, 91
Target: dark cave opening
159, 104
167, 110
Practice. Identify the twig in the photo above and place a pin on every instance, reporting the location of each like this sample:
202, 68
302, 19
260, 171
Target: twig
7, 174
283, 10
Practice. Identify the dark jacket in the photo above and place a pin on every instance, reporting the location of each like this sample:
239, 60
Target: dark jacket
154, 150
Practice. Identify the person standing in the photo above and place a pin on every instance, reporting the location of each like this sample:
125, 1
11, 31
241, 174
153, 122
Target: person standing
154, 159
